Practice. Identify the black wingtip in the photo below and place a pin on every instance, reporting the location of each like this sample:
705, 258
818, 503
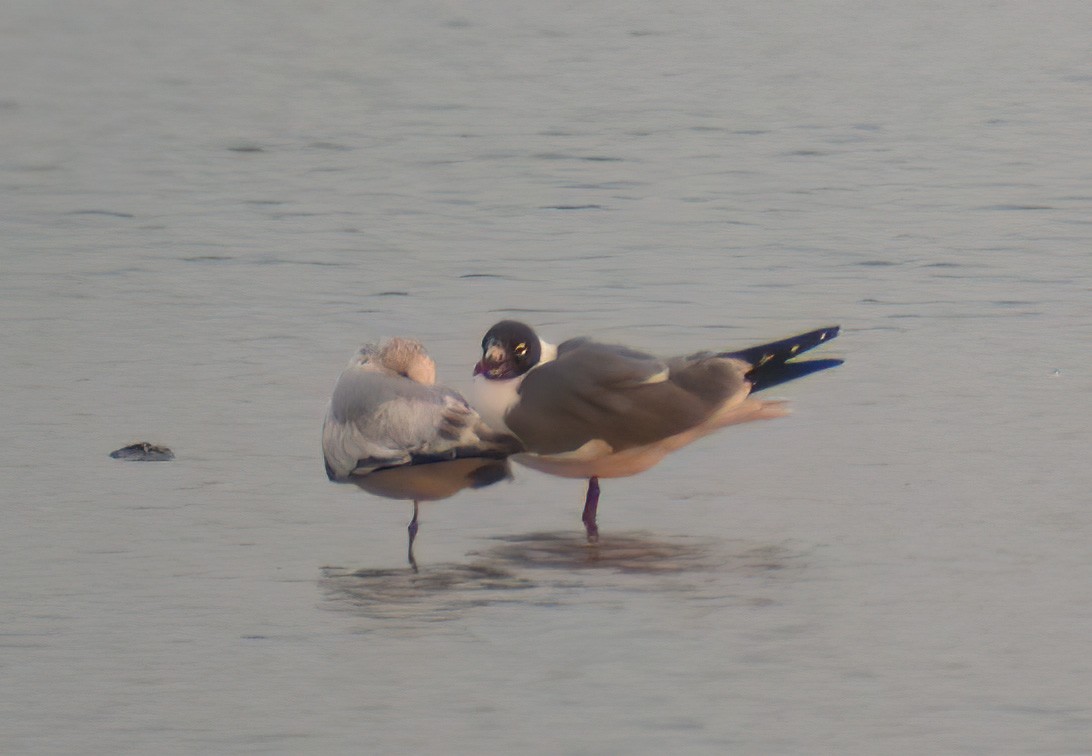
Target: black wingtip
462, 452
787, 371
771, 364
785, 349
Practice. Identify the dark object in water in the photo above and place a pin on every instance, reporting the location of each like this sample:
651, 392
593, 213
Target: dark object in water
144, 452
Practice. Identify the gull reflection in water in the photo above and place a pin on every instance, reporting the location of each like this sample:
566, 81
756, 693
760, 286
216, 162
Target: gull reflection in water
547, 569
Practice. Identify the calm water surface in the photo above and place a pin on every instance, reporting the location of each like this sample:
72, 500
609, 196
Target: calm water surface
209, 206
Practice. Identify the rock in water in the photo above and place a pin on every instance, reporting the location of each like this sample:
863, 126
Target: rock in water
144, 452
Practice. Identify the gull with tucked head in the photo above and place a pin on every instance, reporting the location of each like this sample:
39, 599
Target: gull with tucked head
391, 431
588, 410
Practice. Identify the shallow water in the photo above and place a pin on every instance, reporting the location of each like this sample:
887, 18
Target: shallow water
209, 206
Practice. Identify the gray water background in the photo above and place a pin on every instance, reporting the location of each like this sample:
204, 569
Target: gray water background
207, 206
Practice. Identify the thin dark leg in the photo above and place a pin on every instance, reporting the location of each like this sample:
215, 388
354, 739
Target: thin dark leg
591, 503
412, 535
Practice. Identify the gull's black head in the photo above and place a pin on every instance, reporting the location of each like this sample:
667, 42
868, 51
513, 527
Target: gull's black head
509, 349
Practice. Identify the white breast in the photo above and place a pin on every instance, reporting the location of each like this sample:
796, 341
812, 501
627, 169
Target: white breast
493, 399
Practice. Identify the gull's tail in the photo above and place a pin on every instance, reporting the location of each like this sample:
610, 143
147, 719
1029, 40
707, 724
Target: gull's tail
770, 363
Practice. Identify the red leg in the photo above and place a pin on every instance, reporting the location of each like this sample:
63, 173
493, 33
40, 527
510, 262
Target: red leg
591, 503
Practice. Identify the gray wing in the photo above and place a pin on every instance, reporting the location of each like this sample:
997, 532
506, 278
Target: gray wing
626, 398
377, 420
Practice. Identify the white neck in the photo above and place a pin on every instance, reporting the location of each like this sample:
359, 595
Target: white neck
548, 352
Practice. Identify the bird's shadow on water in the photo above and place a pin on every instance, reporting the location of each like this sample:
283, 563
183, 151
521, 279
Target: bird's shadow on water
550, 569
633, 552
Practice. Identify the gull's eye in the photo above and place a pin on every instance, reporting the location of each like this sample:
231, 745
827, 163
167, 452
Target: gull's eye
521, 349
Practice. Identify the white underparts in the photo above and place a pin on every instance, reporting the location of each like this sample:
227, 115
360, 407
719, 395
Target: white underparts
492, 399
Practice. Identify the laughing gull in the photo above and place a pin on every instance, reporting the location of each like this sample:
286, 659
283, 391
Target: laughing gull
589, 410
393, 433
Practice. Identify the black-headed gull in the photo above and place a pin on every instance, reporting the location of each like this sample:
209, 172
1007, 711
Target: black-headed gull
393, 433
588, 410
